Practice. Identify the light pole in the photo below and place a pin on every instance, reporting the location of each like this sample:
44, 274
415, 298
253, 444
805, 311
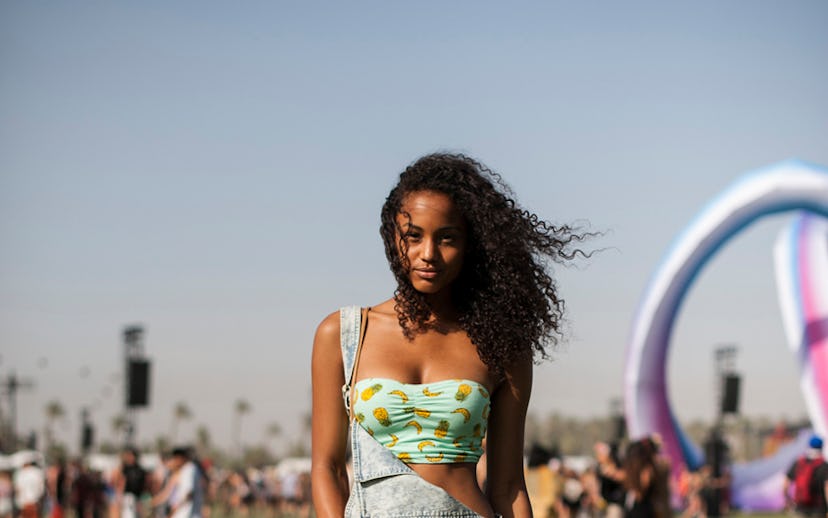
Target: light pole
136, 377
619, 424
727, 381
727, 397
10, 388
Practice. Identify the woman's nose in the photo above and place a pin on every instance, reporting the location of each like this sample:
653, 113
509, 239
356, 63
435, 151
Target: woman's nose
428, 250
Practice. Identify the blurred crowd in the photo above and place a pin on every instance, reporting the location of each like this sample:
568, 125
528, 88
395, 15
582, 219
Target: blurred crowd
635, 483
178, 486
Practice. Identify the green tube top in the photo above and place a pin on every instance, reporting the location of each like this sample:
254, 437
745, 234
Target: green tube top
440, 422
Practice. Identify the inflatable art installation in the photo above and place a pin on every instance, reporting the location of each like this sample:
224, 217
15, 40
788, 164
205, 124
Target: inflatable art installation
801, 258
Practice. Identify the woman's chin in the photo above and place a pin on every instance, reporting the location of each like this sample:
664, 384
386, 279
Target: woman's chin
427, 288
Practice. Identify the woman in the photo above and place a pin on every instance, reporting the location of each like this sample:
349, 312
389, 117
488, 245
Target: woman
542, 483
447, 360
643, 479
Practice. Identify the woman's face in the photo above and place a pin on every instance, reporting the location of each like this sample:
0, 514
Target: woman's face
434, 233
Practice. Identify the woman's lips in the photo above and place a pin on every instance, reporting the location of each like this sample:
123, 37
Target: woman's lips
426, 274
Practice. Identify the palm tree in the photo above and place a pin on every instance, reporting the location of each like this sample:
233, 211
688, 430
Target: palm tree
162, 444
203, 440
180, 412
274, 430
120, 424
242, 407
54, 411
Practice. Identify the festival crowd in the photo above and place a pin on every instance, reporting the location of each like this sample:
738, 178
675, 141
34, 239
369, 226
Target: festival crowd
639, 484
181, 486
635, 484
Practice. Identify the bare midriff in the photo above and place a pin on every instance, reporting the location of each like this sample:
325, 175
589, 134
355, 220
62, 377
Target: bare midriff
460, 481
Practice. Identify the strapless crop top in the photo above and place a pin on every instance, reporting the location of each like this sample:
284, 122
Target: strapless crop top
440, 422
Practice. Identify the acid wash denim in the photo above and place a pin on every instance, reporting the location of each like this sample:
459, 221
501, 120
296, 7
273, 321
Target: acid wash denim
384, 486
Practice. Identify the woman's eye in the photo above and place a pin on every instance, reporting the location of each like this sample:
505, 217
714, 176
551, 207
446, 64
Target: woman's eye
412, 237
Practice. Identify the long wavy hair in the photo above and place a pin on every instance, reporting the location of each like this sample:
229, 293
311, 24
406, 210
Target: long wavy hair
508, 302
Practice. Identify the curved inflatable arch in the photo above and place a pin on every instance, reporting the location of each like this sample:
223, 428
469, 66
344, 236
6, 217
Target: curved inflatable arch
778, 188
801, 258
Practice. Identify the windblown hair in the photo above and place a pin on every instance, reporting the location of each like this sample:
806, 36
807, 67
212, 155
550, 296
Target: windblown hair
508, 302
639, 458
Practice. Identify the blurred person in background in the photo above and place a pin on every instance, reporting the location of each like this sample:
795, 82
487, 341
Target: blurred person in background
661, 476
57, 486
241, 495
182, 495
610, 479
639, 475
29, 489
691, 484
129, 483
806, 480
572, 492
6, 494
592, 504
291, 492
542, 484
87, 494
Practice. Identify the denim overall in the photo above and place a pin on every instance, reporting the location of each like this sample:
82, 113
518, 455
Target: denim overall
384, 486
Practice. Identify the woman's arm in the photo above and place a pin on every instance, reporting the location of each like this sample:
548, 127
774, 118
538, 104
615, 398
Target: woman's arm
504, 444
329, 422
164, 493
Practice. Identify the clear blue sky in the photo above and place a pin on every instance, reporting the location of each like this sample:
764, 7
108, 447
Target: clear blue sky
215, 172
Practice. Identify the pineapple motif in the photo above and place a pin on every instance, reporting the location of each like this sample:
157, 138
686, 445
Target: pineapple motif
360, 417
416, 425
381, 415
463, 392
458, 441
402, 395
442, 429
429, 393
466, 414
370, 391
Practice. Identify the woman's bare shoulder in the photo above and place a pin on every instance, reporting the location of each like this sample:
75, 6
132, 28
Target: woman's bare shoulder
326, 349
328, 328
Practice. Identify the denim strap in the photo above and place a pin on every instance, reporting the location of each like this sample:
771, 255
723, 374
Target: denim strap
349, 321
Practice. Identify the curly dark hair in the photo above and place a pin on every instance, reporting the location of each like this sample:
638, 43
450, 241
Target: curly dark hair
507, 301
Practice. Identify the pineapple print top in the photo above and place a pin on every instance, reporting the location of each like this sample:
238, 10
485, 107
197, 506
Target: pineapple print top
440, 422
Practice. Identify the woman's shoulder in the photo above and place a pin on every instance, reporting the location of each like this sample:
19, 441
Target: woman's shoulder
329, 326
326, 345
